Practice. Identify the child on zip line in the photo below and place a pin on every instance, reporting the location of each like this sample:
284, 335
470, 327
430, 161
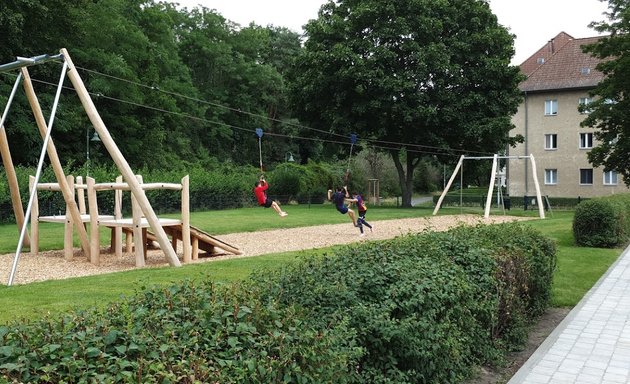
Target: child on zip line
339, 198
260, 190
361, 209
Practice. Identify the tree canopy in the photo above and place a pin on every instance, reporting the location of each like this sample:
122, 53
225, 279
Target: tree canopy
432, 75
173, 85
610, 110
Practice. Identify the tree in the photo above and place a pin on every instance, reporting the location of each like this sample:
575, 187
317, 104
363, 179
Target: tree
610, 110
418, 72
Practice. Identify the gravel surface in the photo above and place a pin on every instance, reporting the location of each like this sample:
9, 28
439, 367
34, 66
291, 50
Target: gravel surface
52, 265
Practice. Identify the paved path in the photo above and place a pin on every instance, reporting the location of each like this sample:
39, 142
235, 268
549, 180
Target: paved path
592, 344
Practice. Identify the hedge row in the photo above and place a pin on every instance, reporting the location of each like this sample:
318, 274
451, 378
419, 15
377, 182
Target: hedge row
603, 222
514, 201
220, 186
426, 308
418, 309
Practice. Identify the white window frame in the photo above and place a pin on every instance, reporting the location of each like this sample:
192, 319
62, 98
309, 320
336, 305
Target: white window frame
551, 141
586, 169
551, 176
611, 178
586, 140
551, 107
585, 101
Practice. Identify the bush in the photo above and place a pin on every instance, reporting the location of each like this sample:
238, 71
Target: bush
602, 222
181, 334
425, 308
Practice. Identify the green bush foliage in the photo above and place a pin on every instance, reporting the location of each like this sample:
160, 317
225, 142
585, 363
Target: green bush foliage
425, 308
189, 333
603, 222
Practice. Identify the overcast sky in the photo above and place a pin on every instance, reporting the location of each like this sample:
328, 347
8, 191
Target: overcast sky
533, 22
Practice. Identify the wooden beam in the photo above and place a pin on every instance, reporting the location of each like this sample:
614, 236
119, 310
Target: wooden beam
68, 195
448, 185
493, 175
119, 160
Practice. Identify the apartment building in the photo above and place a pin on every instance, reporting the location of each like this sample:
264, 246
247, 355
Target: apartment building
559, 78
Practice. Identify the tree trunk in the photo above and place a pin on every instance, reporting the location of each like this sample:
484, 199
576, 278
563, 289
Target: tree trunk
405, 178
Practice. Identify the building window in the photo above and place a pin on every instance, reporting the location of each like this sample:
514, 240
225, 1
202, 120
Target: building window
551, 176
586, 140
583, 103
586, 176
551, 107
540, 60
585, 70
610, 178
551, 141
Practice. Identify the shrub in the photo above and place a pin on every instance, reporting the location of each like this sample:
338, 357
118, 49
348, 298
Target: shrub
425, 308
186, 334
602, 222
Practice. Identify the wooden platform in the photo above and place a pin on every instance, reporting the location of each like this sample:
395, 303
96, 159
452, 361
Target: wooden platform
201, 240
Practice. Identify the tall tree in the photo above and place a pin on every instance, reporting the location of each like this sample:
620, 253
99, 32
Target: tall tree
610, 111
418, 72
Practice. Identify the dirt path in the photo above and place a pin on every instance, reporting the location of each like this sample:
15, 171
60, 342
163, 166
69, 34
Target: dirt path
52, 265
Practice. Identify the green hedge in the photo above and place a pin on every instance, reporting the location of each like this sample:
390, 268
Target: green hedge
479, 200
418, 309
183, 334
603, 222
426, 308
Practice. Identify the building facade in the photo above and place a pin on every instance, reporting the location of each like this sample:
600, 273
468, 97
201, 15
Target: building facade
559, 78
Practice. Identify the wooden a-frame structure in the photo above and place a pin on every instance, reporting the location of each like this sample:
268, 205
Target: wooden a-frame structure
48, 147
495, 158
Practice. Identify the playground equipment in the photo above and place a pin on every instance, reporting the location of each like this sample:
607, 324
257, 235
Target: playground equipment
493, 175
73, 216
136, 228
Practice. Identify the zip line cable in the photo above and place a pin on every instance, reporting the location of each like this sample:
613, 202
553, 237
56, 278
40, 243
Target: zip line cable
396, 145
237, 110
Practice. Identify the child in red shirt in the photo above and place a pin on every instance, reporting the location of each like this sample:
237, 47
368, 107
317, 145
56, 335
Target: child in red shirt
260, 190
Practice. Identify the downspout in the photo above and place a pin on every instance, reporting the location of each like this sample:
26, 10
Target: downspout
526, 144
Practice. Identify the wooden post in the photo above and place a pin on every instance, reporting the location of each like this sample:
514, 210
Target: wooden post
195, 248
186, 219
120, 161
493, 173
118, 215
81, 196
34, 218
68, 246
68, 195
136, 214
14, 188
448, 185
95, 238
541, 208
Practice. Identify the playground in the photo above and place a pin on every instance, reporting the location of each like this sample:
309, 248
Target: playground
49, 265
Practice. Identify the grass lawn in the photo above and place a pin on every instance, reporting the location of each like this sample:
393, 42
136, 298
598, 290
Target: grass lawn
578, 268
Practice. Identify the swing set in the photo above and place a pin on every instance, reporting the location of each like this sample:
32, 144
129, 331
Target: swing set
493, 176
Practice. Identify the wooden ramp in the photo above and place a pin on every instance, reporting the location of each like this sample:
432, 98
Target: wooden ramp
200, 240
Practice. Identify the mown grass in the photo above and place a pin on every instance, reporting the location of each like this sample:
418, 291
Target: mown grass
578, 268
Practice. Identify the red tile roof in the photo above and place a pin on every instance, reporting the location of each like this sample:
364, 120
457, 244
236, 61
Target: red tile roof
565, 66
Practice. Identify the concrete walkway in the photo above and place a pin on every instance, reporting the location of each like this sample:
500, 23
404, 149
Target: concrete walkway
592, 344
